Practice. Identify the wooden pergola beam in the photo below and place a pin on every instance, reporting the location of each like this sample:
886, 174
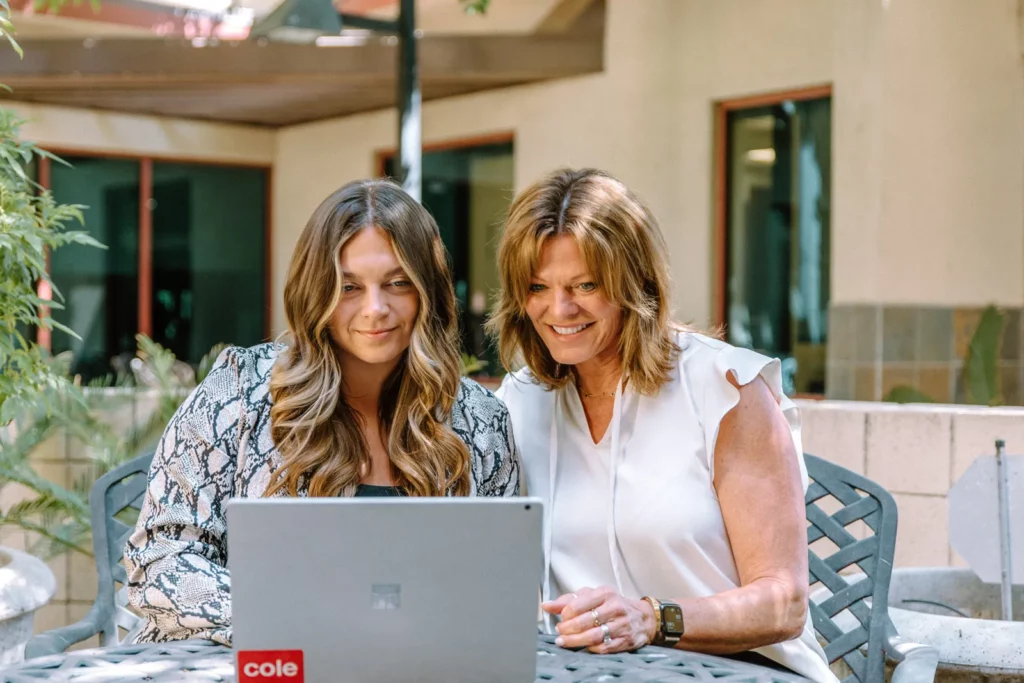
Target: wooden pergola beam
77, 63
277, 84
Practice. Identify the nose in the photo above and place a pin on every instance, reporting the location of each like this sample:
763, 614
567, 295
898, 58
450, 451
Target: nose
375, 305
565, 304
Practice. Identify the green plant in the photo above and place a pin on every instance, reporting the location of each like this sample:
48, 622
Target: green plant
31, 225
475, 6
981, 364
58, 516
980, 374
472, 365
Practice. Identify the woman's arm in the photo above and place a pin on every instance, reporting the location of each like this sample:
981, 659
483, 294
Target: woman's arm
757, 478
177, 557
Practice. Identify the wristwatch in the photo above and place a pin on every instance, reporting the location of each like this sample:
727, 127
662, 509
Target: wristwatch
669, 627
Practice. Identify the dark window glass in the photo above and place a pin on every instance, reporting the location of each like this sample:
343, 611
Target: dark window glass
778, 227
100, 286
209, 259
468, 191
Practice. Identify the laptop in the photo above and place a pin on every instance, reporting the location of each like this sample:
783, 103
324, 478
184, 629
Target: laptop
362, 590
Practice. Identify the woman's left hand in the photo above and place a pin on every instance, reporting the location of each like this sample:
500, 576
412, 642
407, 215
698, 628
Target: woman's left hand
602, 621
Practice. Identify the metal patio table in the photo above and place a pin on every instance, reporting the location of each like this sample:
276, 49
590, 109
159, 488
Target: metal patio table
207, 661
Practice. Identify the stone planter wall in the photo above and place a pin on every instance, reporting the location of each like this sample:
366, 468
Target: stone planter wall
917, 452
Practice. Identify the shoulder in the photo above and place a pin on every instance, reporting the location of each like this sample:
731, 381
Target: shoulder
481, 420
478, 404
522, 387
705, 358
240, 373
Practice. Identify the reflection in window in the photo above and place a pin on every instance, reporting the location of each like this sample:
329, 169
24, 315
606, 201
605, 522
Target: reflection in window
100, 286
468, 191
778, 227
209, 279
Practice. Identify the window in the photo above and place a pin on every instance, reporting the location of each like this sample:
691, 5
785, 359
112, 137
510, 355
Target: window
777, 164
100, 286
209, 257
468, 190
203, 280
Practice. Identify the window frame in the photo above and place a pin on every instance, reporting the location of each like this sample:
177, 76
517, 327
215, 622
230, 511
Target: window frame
145, 268
720, 174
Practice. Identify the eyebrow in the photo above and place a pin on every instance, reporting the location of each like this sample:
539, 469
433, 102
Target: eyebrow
575, 278
390, 274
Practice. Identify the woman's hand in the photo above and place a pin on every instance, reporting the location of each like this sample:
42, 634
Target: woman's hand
602, 621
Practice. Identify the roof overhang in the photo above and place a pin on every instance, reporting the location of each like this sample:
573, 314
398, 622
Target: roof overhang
280, 84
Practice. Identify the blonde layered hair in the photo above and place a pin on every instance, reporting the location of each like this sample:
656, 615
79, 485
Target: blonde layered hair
624, 251
317, 433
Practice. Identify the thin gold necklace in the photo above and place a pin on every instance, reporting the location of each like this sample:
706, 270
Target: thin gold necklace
607, 394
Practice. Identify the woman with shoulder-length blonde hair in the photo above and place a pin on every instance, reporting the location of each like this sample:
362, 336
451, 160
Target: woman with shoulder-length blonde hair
670, 461
364, 398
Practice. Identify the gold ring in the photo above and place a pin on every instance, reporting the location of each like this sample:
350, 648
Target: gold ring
597, 618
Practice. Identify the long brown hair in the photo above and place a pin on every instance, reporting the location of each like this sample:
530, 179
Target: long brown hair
624, 250
317, 433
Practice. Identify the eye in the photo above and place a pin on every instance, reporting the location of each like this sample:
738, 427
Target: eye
401, 283
537, 288
587, 286
348, 287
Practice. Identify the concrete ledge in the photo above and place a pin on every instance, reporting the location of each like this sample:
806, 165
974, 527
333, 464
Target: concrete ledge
917, 452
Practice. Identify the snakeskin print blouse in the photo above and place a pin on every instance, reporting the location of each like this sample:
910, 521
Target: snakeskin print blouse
218, 446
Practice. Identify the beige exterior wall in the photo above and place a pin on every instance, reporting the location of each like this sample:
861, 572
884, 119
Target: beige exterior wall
648, 119
115, 133
928, 153
928, 136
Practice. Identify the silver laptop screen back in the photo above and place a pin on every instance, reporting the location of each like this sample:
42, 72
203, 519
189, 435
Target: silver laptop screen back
439, 589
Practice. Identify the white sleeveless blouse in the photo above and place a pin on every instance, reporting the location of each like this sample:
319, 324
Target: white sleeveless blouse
638, 510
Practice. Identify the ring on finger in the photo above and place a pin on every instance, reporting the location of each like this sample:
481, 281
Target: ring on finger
597, 617
607, 634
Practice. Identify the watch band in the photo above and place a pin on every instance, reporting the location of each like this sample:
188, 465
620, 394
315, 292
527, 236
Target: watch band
656, 605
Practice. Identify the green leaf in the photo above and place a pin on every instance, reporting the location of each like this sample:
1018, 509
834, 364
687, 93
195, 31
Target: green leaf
907, 394
63, 328
14, 44
981, 366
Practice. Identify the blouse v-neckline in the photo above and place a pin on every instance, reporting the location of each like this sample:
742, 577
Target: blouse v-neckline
579, 414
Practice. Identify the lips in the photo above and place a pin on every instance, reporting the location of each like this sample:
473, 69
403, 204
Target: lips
569, 331
377, 334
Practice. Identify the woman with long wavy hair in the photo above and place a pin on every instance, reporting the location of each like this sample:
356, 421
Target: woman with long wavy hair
363, 398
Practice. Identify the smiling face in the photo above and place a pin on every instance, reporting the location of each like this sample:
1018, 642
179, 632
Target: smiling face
374, 320
570, 312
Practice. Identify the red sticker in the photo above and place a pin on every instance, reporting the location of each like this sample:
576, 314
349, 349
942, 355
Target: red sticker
264, 666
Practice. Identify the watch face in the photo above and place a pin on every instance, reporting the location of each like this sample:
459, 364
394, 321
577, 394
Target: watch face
672, 619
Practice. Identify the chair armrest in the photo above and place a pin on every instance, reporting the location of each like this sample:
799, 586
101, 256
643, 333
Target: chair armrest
915, 662
60, 639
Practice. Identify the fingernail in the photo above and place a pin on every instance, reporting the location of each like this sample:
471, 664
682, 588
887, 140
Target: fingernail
559, 641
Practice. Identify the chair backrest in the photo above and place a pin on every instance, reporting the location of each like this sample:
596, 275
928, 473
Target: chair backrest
851, 524
114, 495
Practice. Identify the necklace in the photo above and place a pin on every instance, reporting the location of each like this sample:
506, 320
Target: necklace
604, 395
585, 394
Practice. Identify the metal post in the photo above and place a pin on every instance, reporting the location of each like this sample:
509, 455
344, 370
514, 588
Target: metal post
1004, 531
410, 153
